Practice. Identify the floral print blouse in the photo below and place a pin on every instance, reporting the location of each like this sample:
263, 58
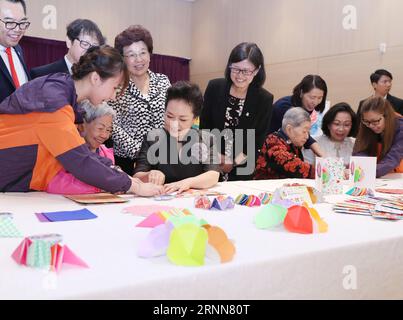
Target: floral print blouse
280, 159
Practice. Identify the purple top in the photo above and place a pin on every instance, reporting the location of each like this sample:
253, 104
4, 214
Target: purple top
49, 94
395, 155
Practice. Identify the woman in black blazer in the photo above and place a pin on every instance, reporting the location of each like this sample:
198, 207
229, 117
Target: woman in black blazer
239, 102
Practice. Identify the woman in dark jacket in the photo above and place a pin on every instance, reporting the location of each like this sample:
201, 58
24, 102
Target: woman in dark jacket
237, 105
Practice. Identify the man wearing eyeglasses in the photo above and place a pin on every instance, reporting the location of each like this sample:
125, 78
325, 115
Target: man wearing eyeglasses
381, 81
82, 34
13, 24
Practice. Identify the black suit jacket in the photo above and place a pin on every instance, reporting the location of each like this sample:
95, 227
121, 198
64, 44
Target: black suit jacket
6, 81
57, 66
396, 103
256, 113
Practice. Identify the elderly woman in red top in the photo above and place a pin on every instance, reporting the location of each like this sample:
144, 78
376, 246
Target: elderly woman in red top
281, 156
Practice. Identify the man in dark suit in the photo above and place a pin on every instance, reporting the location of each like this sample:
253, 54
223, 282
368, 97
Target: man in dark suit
381, 81
82, 34
13, 23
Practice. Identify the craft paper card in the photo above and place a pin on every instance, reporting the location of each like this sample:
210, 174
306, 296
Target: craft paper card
297, 194
97, 198
152, 221
83, 214
363, 172
195, 192
145, 211
329, 175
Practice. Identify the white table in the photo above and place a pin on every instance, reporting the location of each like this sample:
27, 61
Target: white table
268, 264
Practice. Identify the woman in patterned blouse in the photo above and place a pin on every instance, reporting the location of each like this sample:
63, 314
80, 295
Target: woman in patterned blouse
141, 108
281, 155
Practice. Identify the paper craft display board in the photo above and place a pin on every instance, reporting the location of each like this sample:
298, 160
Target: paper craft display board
96, 198
363, 172
296, 194
329, 175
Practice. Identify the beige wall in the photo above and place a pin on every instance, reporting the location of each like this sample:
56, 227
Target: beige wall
299, 37
169, 21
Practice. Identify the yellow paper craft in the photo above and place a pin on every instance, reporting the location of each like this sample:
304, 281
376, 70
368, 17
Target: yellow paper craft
187, 245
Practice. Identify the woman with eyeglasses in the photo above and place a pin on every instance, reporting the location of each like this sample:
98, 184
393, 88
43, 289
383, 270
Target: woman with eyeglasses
380, 135
236, 105
310, 95
339, 125
141, 107
38, 136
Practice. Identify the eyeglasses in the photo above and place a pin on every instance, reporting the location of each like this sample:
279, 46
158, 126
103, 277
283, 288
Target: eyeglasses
346, 125
11, 25
133, 56
372, 123
244, 72
85, 44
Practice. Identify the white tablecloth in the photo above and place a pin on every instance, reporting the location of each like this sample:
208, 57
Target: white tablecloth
359, 257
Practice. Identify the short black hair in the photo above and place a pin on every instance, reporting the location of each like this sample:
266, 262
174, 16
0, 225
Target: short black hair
251, 52
374, 78
189, 92
24, 5
85, 26
308, 83
329, 117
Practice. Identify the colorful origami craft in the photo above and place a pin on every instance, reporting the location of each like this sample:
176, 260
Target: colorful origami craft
187, 242
270, 216
145, 211
7, 226
296, 219
202, 202
248, 201
223, 203
161, 217
46, 252
360, 192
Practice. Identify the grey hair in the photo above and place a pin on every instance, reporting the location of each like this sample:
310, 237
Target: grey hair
92, 112
295, 117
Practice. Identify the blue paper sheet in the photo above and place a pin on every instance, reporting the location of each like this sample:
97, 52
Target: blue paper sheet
83, 214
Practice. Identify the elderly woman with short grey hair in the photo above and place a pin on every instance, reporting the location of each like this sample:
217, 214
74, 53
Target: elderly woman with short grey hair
96, 129
281, 156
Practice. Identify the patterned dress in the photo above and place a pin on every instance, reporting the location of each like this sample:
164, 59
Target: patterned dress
137, 114
280, 159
